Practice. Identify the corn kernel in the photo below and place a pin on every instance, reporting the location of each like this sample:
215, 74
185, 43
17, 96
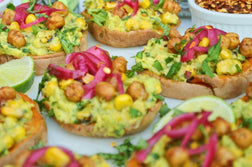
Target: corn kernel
123, 100
30, 18
49, 88
87, 78
55, 47
226, 54
56, 157
132, 24
64, 82
145, 25
110, 5
107, 70
10, 121
169, 18
8, 141
19, 133
194, 145
158, 88
237, 152
228, 66
144, 3
9, 111
81, 22
14, 26
43, 40
204, 42
123, 76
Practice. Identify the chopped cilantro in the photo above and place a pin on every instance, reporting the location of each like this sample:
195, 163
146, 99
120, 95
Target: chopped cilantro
46, 77
37, 146
51, 113
166, 29
136, 68
134, 113
159, 97
139, 55
168, 60
164, 110
157, 65
82, 104
247, 122
238, 68
206, 69
11, 6
99, 16
174, 69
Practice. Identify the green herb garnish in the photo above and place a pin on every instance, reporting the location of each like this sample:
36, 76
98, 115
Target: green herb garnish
174, 69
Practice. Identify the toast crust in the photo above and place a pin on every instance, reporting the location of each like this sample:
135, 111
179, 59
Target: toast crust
42, 62
37, 133
88, 129
120, 39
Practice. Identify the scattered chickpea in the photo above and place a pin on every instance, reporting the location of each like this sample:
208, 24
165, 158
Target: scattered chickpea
221, 126
242, 137
60, 5
8, 16
234, 40
7, 93
119, 65
16, 38
105, 90
55, 21
246, 47
74, 91
223, 157
177, 156
137, 90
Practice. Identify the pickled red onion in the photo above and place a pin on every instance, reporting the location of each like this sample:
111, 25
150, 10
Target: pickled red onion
132, 3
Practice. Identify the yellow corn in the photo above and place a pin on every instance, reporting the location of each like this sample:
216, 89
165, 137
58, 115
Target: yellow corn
55, 47
204, 42
6, 10
87, 78
19, 133
8, 141
110, 5
9, 111
132, 24
123, 100
30, 18
158, 89
145, 25
64, 82
169, 18
10, 121
226, 54
228, 66
123, 76
50, 87
14, 26
83, 115
194, 145
81, 22
56, 157
237, 152
144, 3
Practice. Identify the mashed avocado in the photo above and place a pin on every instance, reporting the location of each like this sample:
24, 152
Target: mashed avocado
101, 112
242, 109
13, 129
158, 59
42, 41
146, 17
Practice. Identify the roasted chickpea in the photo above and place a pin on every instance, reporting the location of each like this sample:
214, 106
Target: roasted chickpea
225, 42
137, 90
223, 158
177, 156
60, 5
246, 47
133, 162
174, 33
7, 93
249, 90
105, 90
16, 38
221, 126
242, 137
171, 6
119, 65
74, 91
55, 21
234, 40
8, 16
173, 45
113, 81
119, 12
188, 36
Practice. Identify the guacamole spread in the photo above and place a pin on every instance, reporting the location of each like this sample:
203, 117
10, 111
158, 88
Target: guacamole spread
13, 117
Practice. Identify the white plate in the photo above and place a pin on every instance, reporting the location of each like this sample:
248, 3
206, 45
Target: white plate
88, 146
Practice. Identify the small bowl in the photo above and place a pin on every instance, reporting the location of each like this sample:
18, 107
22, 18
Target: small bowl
3, 4
238, 23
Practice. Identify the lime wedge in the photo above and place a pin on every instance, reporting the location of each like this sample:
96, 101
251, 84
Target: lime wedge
218, 107
18, 74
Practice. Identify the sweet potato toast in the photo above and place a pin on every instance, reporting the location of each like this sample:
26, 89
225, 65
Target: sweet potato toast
105, 102
47, 42
34, 129
199, 64
126, 31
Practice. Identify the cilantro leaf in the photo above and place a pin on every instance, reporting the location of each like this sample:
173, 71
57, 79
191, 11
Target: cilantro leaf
164, 110
206, 69
46, 77
66, 45
11, 6
99, 16
214, 51
134, 113
137, 67
157, 65
166, 29
174, 69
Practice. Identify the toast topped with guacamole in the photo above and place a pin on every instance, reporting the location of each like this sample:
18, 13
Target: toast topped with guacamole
47, 33
204, 61
21, 125
92, 96
130, 23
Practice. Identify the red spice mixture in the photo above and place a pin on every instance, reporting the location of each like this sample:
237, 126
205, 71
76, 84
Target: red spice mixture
227, 6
